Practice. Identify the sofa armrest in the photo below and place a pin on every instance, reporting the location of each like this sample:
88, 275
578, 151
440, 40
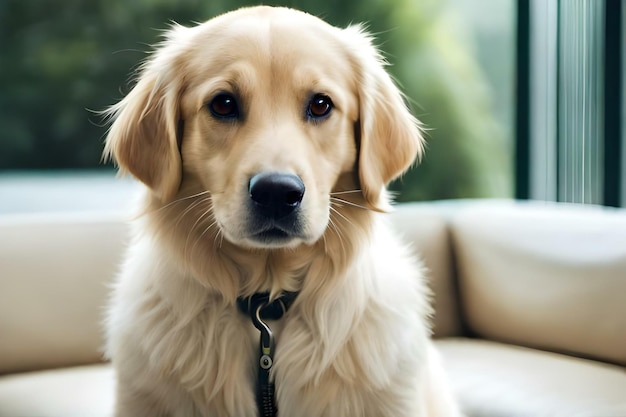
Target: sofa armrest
53, 284
550, 276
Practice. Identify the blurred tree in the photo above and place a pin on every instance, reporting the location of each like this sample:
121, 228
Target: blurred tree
58, 62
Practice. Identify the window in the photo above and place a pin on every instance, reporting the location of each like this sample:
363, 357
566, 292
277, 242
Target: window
570, 136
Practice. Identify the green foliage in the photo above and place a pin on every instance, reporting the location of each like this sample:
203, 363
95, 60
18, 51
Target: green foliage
60, 59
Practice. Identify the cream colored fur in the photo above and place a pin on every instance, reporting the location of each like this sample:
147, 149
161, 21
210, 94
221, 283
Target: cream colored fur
356, 341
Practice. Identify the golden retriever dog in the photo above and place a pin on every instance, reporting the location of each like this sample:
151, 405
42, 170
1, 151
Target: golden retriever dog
265, 138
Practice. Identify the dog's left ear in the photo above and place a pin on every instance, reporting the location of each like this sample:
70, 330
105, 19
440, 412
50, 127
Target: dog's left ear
390, 137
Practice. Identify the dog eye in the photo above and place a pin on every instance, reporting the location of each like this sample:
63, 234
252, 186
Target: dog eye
319, 106
224, 106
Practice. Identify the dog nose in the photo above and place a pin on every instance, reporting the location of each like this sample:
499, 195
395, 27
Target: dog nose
276, 195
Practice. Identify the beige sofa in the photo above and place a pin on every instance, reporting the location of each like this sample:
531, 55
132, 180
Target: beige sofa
530, 305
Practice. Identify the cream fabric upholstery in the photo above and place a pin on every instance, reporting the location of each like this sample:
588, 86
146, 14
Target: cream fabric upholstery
547, 276
500, 380
85, 391
425, 229
53, 284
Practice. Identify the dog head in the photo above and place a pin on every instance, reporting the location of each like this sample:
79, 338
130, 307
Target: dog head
267, 113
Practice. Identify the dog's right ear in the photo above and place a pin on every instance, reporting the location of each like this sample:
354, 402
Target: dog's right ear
143, 138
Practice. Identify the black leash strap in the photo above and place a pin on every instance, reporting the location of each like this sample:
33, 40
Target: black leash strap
259, 308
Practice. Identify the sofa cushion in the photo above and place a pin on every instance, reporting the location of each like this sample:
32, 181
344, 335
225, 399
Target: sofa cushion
490, 380
86, 391
497, 380
426, 230
53, 285
551, 276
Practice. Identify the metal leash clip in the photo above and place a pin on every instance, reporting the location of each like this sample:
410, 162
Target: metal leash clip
265, 388
267, 339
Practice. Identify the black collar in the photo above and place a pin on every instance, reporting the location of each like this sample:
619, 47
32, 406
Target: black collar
259, 308
269, 310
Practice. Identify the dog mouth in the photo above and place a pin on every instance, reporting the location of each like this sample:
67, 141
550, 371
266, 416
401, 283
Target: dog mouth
265, 232
272, 235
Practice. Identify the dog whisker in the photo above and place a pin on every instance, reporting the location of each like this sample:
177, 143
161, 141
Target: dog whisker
340, 238
338, 232
191, 207
213, 222
206, 213
183, 214
338, 213
350, 203
180, 200
205, 231
335, 211
345, 192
